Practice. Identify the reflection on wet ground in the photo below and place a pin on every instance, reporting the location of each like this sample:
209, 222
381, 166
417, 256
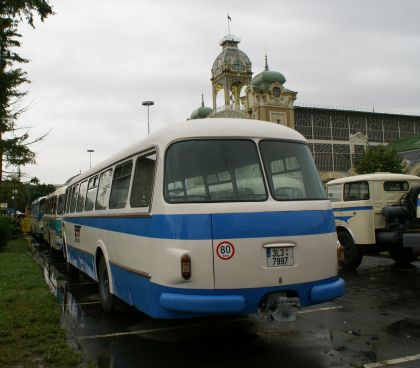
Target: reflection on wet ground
377, 319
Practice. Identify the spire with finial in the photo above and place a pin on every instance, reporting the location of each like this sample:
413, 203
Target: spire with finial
266, 62
202, 99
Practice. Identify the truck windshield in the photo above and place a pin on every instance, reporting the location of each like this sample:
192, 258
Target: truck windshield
291, 171
213, 171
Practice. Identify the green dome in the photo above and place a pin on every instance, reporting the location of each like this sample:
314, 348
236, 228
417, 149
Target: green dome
202, 112
266, 78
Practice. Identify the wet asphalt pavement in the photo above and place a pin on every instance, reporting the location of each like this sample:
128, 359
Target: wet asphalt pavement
377, 319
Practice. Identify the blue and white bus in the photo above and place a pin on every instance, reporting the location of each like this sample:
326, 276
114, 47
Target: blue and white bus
215, 216
37, 216
53, 217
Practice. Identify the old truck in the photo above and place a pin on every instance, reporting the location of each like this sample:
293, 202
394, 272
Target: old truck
377, 212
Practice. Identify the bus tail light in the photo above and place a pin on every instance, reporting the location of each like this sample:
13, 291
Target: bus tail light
186, 266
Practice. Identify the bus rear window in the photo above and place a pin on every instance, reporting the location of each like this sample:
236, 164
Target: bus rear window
291, 171
213, 171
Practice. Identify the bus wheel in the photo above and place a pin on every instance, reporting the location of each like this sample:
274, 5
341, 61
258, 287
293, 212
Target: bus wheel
352, 253
401, 255
107, 299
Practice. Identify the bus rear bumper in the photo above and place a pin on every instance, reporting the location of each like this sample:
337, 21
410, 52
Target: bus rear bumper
203, 304
246, 300
327, 291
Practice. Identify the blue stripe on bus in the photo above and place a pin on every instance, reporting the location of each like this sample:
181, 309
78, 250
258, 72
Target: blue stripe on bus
343, 218
361, 208
223, 226
269, 224
418, 201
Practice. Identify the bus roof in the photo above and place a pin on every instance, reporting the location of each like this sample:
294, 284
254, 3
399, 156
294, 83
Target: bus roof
58, 191
379, 176
39, 199
200, 128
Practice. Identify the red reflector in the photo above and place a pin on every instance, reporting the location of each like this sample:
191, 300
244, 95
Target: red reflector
186, 266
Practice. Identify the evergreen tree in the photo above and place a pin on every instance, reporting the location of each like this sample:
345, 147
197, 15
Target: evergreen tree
14, 145
379, 159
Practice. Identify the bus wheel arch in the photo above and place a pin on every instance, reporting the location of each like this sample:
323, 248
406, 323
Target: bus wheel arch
104, 278
353, 255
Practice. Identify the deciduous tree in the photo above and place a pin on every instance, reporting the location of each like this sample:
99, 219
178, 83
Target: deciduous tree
379, 159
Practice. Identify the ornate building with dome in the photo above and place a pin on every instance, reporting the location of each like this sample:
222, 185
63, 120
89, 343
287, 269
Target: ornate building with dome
336, 136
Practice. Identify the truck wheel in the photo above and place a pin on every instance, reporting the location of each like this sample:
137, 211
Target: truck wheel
352, 254
401, 255
107, 299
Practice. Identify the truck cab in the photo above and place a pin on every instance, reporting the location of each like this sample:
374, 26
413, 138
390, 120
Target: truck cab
376, 212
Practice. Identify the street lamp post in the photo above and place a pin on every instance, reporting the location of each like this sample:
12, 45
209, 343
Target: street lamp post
14, 192
148, 104
90, 157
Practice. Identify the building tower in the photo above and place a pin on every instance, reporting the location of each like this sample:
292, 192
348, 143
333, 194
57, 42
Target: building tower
267, 99
231, 72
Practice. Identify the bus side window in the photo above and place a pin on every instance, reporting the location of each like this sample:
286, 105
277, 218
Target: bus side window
105, 181
67, 200
73, 200
60, 205
81, 198
54, 205
120, 185
143, 181
220, 186
91, 193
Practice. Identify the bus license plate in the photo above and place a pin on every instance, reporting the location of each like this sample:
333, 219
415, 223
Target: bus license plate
279, 257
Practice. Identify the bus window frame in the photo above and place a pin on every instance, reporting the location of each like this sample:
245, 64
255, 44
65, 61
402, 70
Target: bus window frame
127, 198
144, 154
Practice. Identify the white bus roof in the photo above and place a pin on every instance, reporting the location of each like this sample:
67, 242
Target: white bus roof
200, 128
39, 199
58, 191
373, 177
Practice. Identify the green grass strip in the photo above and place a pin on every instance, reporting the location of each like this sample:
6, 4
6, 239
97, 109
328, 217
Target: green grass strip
30, 332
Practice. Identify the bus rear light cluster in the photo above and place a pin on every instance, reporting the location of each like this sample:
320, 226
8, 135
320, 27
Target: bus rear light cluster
186, 266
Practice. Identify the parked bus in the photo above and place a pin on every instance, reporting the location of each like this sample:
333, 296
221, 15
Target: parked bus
193, 220
37, 215
53, 218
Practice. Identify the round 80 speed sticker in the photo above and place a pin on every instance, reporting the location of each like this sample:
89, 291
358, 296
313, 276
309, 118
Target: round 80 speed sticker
225, 250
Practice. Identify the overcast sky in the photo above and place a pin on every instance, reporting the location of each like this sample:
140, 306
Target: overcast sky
95, 61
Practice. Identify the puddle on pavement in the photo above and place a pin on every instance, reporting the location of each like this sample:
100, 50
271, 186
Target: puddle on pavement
406, 327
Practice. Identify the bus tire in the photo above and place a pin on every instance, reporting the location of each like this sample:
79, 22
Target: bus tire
107, 298
402, 256
352, 253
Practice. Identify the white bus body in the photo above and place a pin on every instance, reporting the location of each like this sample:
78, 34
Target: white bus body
37, 215
192, 221
53, 217
370, 215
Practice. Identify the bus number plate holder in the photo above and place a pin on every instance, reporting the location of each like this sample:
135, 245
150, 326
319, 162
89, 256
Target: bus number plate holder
280, 257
